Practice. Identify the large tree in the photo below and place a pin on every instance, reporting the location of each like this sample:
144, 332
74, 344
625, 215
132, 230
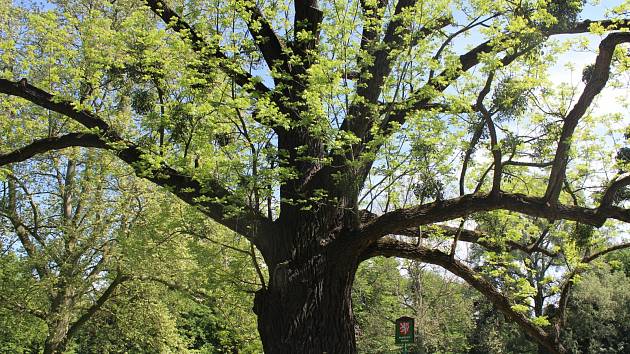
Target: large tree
291, 123
63, 225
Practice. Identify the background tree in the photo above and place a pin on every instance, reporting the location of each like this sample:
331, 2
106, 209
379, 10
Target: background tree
62, 218
89, 260
283, 121
598, 313
440, 304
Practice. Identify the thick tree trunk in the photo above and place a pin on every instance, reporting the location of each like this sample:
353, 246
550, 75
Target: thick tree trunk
59, 319
52, 346
57, 335
307, 307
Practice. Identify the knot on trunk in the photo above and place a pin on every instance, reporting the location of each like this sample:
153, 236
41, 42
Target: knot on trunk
280, 277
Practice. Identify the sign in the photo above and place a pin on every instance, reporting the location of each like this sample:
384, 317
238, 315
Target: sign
404, 330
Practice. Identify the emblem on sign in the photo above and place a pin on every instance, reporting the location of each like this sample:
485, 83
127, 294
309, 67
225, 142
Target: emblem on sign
404, 330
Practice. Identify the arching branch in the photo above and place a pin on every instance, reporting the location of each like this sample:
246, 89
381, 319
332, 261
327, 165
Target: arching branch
211, 197
611, 192
389, 247
308, 18
594, 256
50, 144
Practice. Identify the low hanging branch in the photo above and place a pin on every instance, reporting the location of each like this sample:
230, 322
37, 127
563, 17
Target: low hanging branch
389, 247
440, 211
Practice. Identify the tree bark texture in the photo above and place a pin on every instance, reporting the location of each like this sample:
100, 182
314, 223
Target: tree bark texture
307, 307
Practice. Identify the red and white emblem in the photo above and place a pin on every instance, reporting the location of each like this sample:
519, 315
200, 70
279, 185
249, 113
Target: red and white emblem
403, 328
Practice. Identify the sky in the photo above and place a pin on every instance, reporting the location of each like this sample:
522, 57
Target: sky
607, 102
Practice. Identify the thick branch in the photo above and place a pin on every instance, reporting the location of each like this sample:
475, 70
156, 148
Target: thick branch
308, 18
594, 256
466, 235
372, 76
611, 192
53, 143
585, 26
463, 206
527, 163
393, 222
269, 44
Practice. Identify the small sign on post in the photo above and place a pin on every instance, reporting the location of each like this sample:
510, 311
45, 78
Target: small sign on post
404, 330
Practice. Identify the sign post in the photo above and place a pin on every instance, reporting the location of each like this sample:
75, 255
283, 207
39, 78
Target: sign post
404, 332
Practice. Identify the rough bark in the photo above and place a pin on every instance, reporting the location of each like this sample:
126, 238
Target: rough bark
59, 321
307, 307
